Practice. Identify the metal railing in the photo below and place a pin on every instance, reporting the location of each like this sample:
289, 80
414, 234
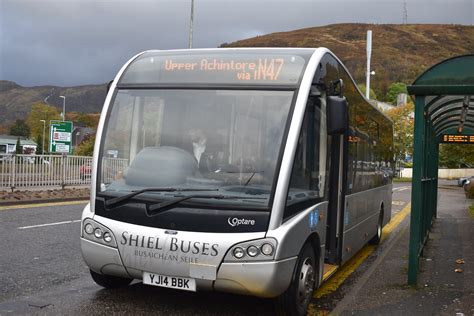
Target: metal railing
44, 171
28, 171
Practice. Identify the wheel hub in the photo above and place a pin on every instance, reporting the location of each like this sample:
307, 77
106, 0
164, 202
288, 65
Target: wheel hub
306, 282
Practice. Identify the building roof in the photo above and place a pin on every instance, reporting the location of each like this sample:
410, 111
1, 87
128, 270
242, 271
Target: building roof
12, 139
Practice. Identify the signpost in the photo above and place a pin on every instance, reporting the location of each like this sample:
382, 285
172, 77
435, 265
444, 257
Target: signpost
60, 136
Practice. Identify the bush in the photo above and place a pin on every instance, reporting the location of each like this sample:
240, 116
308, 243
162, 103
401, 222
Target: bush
470, 191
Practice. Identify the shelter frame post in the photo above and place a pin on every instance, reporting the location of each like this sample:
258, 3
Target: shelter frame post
417, 190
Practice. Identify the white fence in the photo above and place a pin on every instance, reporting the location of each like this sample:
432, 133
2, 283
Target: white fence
443, 173
27, 171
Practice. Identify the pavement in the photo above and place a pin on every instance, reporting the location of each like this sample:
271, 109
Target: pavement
382, 288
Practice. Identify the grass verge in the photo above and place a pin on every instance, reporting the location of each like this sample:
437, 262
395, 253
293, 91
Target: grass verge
471, 210
401, 179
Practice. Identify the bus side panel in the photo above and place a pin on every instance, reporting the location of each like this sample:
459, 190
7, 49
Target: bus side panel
293, 233
361, 214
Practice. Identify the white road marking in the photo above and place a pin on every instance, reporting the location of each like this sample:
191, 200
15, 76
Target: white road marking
400, 189
50, 224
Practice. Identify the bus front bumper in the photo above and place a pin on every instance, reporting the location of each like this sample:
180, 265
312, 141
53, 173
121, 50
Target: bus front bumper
261, 278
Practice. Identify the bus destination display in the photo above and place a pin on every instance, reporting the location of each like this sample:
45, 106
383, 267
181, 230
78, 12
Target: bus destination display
222, 69
458, 139
258, 70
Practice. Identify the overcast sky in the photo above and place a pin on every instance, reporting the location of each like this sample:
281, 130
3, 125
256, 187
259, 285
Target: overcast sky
74, 42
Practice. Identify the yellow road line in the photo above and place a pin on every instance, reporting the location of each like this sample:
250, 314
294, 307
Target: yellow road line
12, 207
350, 266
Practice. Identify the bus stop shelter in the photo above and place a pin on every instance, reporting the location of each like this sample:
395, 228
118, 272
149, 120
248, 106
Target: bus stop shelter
444, 113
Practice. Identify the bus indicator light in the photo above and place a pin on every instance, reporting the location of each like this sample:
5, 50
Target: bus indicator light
88, 228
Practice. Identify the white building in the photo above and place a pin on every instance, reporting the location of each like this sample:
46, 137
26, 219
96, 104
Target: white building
8, 144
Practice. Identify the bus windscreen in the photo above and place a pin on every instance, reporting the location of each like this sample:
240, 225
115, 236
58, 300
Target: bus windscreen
215, 69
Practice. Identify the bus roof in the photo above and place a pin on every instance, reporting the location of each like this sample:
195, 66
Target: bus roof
219, 66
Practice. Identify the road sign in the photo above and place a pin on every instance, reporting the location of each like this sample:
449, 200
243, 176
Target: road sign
60, 137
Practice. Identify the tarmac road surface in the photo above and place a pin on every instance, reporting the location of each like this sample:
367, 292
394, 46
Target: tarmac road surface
42, 272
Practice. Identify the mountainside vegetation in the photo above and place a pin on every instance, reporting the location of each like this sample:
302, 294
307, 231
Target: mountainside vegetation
400, 53
16, 101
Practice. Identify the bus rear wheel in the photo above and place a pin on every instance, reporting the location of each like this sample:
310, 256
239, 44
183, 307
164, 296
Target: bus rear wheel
378, 235
109, 281
297, 297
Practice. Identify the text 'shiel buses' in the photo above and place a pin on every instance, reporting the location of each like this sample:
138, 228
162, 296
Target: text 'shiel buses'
216, 69
236, 170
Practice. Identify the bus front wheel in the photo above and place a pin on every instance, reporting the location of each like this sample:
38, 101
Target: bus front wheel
297, 297
109, 281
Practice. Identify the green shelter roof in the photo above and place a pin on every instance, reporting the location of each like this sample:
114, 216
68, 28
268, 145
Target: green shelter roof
448, 88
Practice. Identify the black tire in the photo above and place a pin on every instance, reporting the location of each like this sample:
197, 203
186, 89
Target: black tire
378, 235
109, 281
295, 300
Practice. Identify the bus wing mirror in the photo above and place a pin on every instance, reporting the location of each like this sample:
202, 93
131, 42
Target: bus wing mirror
337, 118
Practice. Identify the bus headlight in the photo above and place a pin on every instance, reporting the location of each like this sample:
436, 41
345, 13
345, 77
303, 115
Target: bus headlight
254, 250
267, 249
98, 233
238, 252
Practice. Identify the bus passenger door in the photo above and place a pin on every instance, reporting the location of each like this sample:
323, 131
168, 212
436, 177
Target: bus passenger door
337, 172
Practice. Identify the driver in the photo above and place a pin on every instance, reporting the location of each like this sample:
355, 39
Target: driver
201, 151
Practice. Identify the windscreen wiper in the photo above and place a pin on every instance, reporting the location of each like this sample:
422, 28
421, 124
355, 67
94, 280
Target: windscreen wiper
154, 208
120, 199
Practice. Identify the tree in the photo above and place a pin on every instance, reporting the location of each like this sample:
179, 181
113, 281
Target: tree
372, 94
394, 90
39, 147
402, 117
456, 155
20, 128
41, 111
86, 147
18, 149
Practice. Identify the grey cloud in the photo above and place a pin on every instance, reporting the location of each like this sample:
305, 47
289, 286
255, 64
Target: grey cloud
70, 42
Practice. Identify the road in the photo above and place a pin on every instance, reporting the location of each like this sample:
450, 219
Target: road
42, 272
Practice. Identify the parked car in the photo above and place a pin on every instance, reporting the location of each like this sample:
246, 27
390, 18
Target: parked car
462, 180
468, 183
85, 170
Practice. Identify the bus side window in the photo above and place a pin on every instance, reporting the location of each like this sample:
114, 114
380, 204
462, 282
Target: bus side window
309, 176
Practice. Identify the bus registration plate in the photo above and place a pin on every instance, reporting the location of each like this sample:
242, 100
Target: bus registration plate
172, 282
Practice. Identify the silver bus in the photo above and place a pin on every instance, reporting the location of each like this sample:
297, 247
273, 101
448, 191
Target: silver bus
255, 171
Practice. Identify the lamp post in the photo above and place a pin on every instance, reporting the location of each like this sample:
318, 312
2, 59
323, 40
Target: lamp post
77, 134
369, 55
64, 106
191, 21
44, 127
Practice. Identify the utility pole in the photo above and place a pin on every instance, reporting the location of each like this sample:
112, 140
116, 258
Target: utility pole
64, 106
191, 21
369, 55
405, 12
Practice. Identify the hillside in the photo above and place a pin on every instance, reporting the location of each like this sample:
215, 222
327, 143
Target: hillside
16, 101
400, 52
